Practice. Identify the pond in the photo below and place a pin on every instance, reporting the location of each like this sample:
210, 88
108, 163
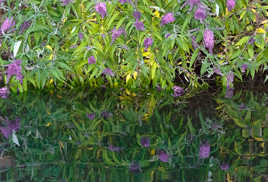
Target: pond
125, 135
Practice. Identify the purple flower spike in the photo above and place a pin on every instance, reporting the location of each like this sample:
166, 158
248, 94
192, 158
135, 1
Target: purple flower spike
230, 4
66, 2
204, 151
244, 67
192, 3
229, 93
4, 92
116, 33
25, 26
200, 14
14, 68
148, 42
108, 71
101, 9
139, 25
80, 35
135, 167
123, 1
163, 156
9, 127
178, 91
167, 18
91, 60
209, 40
145, 142
91, 116
137, 15
230, 78
114, 148
225, 166
7, 24
167, 35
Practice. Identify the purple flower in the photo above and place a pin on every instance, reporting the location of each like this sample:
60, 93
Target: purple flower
192, 3
9, 127
91, 60
137, 15
106, 114
101, 9
200, 14
114, 148
108, 71
7, 24
139, 25
217, 71
229, 93
134, 167
224, 166
178, 91
148, 42
204, 150
163, 156
230, 4
243, 68
25, 26
145, 142
167, 35
209, 40
123, 1
251, 40
230, 78
91, 116
116, 33
14, 68
4, 92
66, 2
80, 35
167, 18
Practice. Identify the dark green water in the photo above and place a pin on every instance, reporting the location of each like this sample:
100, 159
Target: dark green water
125, 136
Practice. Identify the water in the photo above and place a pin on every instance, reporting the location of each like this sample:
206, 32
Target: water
134, 136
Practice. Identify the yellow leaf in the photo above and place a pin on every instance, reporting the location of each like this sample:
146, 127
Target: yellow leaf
128, 77
61, 144
48, 124
49, 47
229, 178
50, 57
152, 152
259, 139
260, 30
157, 14
153, 70
135, 75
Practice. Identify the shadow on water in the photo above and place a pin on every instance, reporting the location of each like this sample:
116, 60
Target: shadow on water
126, 136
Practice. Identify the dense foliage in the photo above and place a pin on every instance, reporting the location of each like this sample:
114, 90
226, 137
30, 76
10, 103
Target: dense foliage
122, 136
131, 43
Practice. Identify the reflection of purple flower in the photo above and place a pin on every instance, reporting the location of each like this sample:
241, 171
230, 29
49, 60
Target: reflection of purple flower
243, 68
116, 33
106, 114
224, 166
230, 4
91, 116
66, 2
108, 71
14, 68
139, 25
91, 60
101, 9
25, 26
9, 127
163, 156
167, 18
229, 93
137, 15
230, 78
114, 148
192, 3
145, 142
147, 42
204, 150
4, 92
135, 167
200, 14
7, 24
178, 91
208, 37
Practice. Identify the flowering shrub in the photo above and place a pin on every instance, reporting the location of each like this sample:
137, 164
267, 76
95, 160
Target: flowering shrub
130, 43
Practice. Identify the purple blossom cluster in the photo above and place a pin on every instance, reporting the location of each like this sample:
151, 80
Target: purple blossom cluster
14, 68
7, 24
101, 9
116, 33
204, 150
9, 127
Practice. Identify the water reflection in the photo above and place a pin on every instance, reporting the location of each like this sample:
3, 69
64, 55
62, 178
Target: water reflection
134, 136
